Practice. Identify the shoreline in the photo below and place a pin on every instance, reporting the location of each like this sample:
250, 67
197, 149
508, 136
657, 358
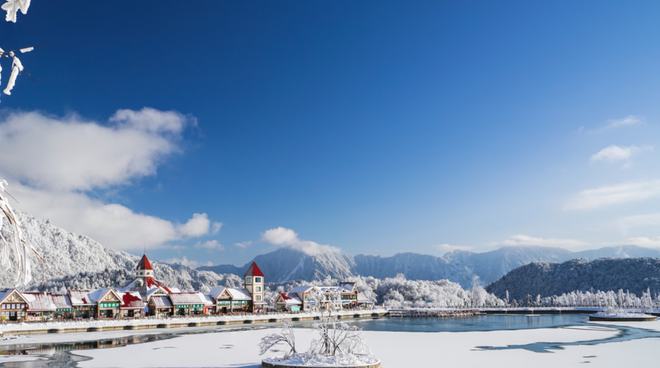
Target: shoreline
80, 326
57, 327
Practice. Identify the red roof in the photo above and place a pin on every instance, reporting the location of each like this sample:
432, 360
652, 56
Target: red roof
144, 264
130, 301
254, 270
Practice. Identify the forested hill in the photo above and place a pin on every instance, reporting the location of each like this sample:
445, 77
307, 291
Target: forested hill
547, 279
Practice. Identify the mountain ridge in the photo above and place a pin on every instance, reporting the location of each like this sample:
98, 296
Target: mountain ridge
604, 274
285, 264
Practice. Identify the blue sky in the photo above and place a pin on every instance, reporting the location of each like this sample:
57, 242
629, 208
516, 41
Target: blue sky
373, 126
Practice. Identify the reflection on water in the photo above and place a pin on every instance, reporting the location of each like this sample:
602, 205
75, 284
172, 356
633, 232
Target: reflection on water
57, 354
490, 322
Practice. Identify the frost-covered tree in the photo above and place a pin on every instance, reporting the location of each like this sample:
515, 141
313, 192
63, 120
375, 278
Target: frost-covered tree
285, 336
11, 8
15, 249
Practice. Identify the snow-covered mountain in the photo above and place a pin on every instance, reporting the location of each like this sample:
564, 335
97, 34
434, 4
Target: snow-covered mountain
546, 279
64, 253
78, 261
286, 264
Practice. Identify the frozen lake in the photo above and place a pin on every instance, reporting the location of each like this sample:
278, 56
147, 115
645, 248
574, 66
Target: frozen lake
498, 337
489, 322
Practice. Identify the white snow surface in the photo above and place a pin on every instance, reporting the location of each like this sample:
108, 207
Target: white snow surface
394, 349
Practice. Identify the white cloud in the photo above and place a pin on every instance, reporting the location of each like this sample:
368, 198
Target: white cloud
523, 239
187, 262
627, 121
210, 244
150, 120
614, 195
614, 153
52, 164
199, 225
244, 244
282, 236
74, 154
645, 241
446, 248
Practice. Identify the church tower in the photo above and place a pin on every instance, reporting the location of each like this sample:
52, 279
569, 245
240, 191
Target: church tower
254, 283
144, 271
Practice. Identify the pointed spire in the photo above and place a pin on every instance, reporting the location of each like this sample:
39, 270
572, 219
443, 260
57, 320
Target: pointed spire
144, 263
254, 270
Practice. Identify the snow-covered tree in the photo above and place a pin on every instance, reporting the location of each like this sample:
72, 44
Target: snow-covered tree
285, 336
15, 249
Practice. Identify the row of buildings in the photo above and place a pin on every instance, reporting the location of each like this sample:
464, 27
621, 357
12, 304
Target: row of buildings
148, 296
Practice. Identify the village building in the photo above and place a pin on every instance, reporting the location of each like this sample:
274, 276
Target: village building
254, 284
145, 281
349, 295
63, 307
190, 303
81, 305
288, 302
40, 306
160, 306
131, 305
13, 306
229, 300
106, 301
311, 298
147, 296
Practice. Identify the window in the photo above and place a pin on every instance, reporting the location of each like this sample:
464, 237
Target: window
258, 288
257, 279
258, 298
248, 280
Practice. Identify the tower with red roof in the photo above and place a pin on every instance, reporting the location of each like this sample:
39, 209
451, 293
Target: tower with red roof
144, 270
254, 283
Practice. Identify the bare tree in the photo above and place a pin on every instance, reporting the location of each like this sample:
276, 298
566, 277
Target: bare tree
285, 336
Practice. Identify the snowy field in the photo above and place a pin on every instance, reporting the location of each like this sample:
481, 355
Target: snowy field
545, 347
400, 349
395, 349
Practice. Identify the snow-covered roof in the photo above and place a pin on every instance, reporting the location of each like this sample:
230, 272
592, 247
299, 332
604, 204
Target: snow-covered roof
131, 299
39, 302
347, 286
216, 291
162, 302
98, 294
154, 291
290, 299
79, 298
61, 300
234, 293
133, 285
301, 289
4, 293
188, 298
239, 294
